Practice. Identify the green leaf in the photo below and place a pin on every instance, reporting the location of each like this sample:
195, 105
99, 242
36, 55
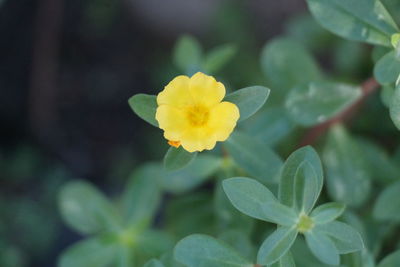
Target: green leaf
190, 176
248, 196
395, 107
285, 261
142, 195
256, 158
359, 20
145, 107
317, 102
286, 63
187, 55
154, 263
248, 100
125, 256
177, 158
218, 57
348, 178
153, 243
276, 245
387, 69
387, 206
93, 252
322, 247
327, 212
85, 209
270, 125
240, 241
345, 237
387, 92
301, 179
280, 214
201, 250
393, 260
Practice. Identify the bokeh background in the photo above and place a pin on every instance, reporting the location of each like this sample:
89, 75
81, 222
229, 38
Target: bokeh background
67, 69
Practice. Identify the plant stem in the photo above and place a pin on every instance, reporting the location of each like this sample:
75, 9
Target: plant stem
368, 87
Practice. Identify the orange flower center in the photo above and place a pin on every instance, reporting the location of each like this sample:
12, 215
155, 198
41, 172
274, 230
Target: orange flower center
197, 115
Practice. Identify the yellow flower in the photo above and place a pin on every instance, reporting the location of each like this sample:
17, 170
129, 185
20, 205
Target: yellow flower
191, 113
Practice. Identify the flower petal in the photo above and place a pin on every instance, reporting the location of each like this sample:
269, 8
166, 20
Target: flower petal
205, 90
198, 139
223, 119
176, 93
172, 121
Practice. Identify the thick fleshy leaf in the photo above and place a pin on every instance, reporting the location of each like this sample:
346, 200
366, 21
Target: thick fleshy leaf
322, 247
248, 196
387, 69
317, 102
85, 209
145, 107
256, 158
93, 252
348, 178
192, 175
280, 214
154, 263
327, 212
287, 63
345, 237
395, 107
153, 243
177, 158
218, 57
301, 179
276, 245
240, 241
202, 250
392, 260
142, 194
248, 100
285, 261
365, 20
387, 206
187, 55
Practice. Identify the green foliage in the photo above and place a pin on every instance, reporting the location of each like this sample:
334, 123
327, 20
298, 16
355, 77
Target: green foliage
387, 69
359, 20
391, 261
317, 102
388, 203
145, 107
176, 158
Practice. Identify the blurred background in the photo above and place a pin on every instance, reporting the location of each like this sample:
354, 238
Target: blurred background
67, 69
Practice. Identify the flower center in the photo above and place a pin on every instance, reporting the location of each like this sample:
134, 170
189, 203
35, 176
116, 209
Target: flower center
197, 115
305, 223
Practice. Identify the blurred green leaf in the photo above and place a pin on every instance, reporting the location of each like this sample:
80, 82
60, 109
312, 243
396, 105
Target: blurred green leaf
348, 178
154, 263
190, 176
153, 243
240, 241
387, 69
285, 261
85, 209
218, 57
392, 260
248, 196
256, 158
378, 52
201, 250
177, 158
301, 179
286, 63
187, 55
248, 100
145, 107
276, 245
92, 252
386, 94
387, 205
319, 101
322, 247
395, 107
345, 237
270, 125
142, 195
365, 20
327, 212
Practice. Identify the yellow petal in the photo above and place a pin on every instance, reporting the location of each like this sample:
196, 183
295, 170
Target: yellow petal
172, 121
176, 93
198, 139
223, 119
205, 90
